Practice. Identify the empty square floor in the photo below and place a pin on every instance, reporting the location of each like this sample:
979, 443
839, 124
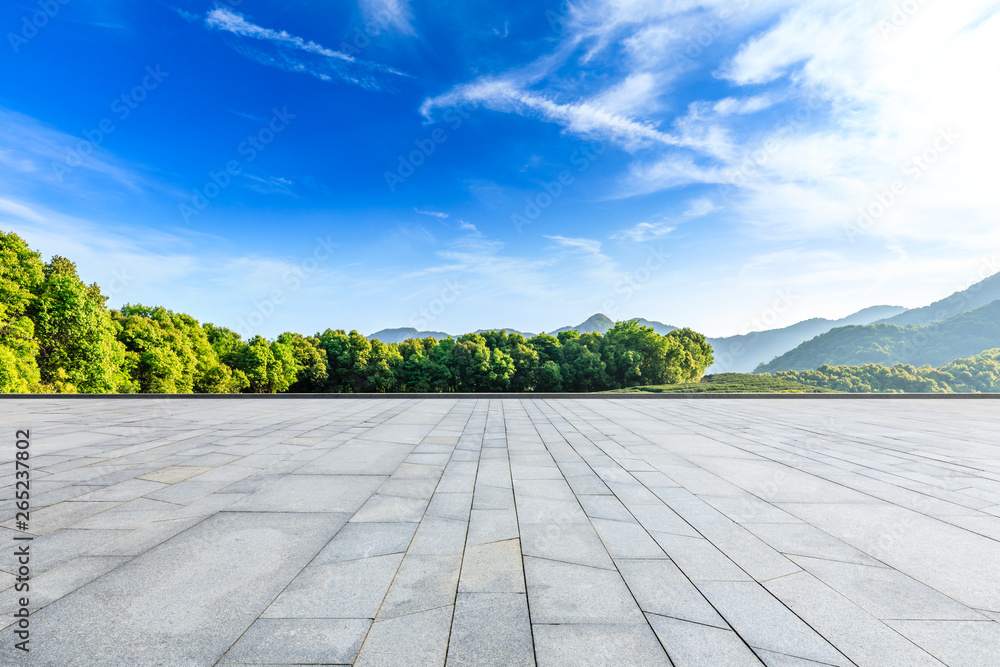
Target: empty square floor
505, 532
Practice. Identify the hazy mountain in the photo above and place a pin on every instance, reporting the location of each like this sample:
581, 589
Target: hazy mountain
982, 293
401, 334
601, 323
510, 331
743, 353
963, 335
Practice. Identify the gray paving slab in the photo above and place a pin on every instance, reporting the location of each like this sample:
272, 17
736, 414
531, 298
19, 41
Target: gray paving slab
312, 493
342, 589
491, 629
408, 641
508, 531
494, 567
578, 645
365, 540
154, 608
659, 587
696, 645
299, 640
423, 582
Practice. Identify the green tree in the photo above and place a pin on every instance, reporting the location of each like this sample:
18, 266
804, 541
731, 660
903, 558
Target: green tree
698, 354
347, 357
311, 360
422, 369
78, 348
526, 364
256, 361
582, 370
548, 348
549, 377
21, 275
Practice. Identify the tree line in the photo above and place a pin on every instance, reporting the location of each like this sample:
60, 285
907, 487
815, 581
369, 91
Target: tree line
978, 374
58, 336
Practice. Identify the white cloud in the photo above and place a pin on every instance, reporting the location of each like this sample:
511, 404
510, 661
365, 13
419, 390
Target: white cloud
644, 231
436, 214
649, 231
584, 118
732, 105
295, 54
588, 246
394, 13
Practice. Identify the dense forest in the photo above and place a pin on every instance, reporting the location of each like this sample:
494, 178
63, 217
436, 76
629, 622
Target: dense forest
978, 374
935, 344
58, 336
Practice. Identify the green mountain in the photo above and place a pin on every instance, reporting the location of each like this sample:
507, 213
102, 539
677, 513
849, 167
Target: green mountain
743, 353
963, 335
601, 323
982, 293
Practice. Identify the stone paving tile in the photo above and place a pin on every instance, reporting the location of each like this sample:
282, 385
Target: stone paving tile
858, 635
697, 645
491, 629
299, 640
359, 540
423, 582
765, 623
495, 567
408, 641
343, 589
659, 587
156, 607
520, 531
579, 645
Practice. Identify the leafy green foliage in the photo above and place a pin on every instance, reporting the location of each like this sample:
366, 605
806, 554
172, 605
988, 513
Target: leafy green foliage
78, 348
977, 374
21, 275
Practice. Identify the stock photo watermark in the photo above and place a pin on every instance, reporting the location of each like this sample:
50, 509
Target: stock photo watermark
900, 15
782, 303
426, 315
535, 205
425, 147
32, 23
635, 280
293, 279
122, 107
913, 170
248, 150
741, 173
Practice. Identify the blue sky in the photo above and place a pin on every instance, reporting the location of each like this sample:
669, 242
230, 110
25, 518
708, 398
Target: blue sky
454, 166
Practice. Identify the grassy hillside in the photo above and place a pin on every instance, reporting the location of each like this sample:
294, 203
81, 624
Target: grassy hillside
742, 354
731, 383
963, 335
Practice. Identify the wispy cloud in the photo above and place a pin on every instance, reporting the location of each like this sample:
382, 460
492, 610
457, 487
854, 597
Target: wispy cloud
435, 214
34, 155
390, 13
649, 231
582, 118
278, 48
588, 246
